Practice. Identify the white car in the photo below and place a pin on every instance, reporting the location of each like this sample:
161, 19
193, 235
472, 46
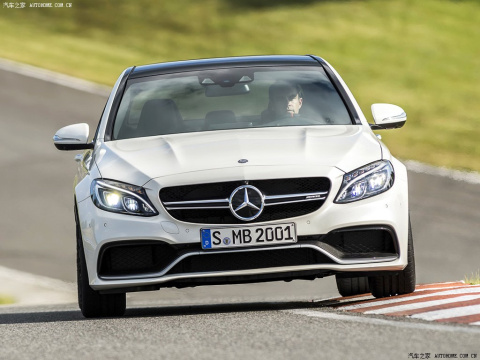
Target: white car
237, 170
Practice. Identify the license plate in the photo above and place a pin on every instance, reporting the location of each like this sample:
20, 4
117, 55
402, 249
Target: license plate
216, 238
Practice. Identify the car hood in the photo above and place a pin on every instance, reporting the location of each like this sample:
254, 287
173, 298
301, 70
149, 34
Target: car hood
139, 160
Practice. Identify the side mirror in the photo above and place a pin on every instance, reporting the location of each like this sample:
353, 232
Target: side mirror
387, 116
72, 137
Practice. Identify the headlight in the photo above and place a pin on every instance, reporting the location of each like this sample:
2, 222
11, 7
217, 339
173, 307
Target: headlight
121, 198
365, 182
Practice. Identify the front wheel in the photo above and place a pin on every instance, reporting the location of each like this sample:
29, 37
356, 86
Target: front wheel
349, 286
398, 284
91, 302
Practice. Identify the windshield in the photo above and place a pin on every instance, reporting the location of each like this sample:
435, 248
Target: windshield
225, 99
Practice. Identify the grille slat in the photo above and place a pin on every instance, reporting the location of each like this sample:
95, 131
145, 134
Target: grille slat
270, 188
249, 260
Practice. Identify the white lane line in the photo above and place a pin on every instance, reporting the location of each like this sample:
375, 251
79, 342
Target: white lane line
54, 77
418, 167
22, 277
467, 290
448, 313
423, 304
383, 322
341, 300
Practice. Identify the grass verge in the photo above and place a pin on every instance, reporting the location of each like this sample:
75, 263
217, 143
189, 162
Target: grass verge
421, 55
6, 300
473, 279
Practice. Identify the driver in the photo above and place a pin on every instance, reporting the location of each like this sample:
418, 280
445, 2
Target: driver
285, 100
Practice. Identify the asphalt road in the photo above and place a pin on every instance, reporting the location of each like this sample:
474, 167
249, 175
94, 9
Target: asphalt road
255, 321
239, 331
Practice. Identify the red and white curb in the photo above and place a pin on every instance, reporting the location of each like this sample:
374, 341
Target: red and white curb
452, 302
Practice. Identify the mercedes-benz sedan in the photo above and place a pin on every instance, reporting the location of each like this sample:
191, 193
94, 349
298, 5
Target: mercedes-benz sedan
237, 170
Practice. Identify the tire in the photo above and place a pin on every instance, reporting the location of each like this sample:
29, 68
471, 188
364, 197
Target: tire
400, 283
352, 286
93, 304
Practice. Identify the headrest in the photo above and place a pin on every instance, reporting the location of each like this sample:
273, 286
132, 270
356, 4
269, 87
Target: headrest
219, 117
159, 117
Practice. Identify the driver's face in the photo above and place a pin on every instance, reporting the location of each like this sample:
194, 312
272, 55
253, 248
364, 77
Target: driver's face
285, 102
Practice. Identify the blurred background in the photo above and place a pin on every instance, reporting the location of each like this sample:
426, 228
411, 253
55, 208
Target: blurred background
423, 55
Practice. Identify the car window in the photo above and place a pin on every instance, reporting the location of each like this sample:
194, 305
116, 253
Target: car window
226, 99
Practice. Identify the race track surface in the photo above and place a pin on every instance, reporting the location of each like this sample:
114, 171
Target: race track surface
277, 320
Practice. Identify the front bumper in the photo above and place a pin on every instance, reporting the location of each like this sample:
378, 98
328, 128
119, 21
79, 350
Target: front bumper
189, 265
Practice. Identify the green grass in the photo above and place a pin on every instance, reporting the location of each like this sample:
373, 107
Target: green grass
473, 279
423, 55
6, 300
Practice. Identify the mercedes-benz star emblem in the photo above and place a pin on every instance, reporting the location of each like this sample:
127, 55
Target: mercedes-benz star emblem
246, 202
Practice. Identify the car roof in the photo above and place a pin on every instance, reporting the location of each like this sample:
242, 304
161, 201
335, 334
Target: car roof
191, 65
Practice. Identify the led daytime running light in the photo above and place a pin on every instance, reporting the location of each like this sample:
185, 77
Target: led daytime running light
365, 182
122, 198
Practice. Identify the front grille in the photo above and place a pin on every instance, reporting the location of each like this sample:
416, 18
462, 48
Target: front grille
144, 259
356, 243
219, 213
224, 216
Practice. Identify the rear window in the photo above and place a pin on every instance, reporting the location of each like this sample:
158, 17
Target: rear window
226, 99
